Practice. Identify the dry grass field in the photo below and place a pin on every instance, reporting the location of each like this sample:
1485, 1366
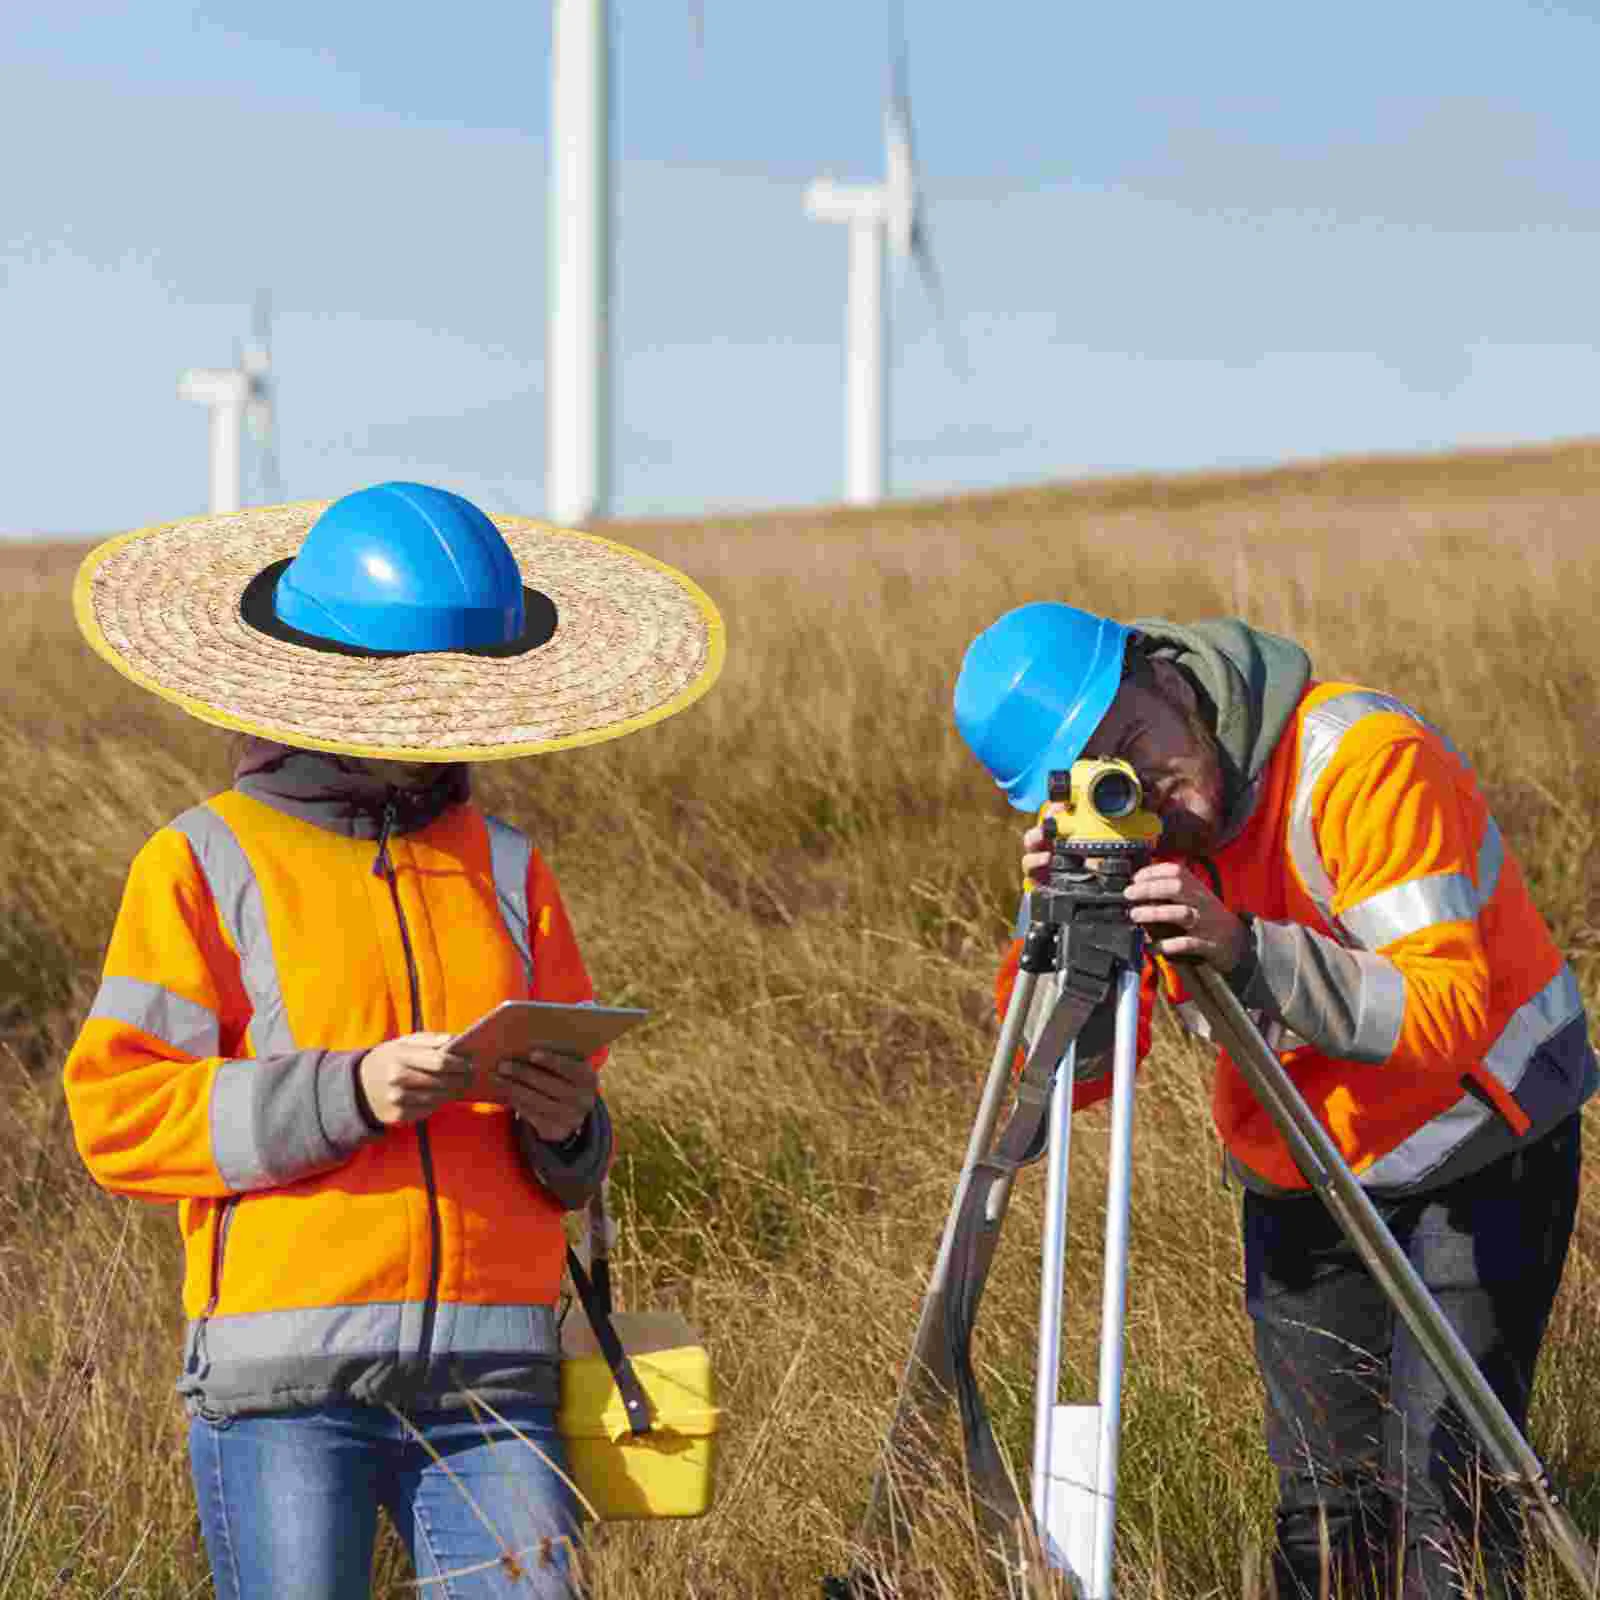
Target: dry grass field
807, 878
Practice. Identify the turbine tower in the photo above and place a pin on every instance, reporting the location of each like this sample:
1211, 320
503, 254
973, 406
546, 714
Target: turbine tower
225, 391
578, 431
881, 217
238, 397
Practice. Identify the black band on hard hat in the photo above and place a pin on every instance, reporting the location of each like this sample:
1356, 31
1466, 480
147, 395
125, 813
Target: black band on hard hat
258, 609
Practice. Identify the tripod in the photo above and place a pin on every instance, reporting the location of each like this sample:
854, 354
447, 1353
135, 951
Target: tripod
1079, 955
1078, 936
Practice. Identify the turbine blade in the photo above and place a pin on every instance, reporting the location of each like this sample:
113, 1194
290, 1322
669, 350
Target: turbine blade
928, 268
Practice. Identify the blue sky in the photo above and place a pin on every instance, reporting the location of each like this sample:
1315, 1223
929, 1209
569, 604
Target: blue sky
1170, 236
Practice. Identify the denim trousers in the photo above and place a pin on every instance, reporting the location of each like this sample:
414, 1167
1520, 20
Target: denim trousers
289, 1502
1374, 1462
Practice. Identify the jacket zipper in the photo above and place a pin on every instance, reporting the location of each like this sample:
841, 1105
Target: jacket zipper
219, 1247
383, 867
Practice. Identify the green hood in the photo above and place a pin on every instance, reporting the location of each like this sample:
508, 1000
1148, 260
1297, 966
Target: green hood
1253, 681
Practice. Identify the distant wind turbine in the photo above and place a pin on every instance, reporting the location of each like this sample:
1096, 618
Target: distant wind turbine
239, 397
882, 214
578, 428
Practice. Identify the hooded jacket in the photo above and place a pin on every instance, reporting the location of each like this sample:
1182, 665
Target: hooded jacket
266, 940
1398, 963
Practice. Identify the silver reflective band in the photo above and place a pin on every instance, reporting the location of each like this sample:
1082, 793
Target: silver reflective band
1194, 1020
1491, 856
231, 1117
385, 1328
1408, 908
183, 1025
1554, 1007
1320, 735
510, 854
227, 870
1382, 1002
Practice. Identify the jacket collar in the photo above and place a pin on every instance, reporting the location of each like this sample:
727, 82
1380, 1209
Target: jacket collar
331, 792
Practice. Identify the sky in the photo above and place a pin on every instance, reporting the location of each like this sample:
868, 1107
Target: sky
1170, 237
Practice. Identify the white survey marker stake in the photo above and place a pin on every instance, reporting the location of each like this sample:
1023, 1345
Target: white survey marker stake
1071, 1498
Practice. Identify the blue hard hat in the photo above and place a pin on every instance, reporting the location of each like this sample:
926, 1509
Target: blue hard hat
1033, 688
401, 567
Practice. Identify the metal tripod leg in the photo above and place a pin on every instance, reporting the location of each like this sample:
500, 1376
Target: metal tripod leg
1075, 1447
925, 1383
1324, 1168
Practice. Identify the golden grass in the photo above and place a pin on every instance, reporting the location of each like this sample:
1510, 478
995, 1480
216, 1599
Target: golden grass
806, 877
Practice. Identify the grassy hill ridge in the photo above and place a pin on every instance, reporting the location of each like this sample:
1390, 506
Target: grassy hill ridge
818, 878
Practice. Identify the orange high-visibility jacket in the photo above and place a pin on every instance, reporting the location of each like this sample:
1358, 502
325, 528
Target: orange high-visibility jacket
1406, 978
256, 956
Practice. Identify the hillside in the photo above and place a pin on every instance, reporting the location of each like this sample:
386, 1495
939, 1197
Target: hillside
807, 878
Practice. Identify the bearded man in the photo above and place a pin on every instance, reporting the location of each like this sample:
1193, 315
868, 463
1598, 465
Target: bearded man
1331, 854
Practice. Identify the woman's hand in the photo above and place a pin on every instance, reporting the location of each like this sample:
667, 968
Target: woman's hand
550, 1091
406, 1078
1197, 923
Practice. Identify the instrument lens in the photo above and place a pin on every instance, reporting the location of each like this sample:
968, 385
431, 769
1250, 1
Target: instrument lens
1114, 795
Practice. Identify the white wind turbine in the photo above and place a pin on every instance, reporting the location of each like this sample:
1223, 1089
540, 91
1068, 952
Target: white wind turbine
578, 427
239, 397
878, 215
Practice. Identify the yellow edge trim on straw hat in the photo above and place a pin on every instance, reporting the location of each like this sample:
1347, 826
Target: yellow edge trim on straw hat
716, 651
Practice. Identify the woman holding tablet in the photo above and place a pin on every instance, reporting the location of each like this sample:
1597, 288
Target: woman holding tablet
373, 1256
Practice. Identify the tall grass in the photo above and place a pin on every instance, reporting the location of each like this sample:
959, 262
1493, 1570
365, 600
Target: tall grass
806, 878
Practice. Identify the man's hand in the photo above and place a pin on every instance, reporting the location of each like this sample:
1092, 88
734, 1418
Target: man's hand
406, 1078
551, 1092
1198, 924
1035, 855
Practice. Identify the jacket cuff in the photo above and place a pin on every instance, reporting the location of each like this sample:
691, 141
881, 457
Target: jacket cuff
282, 1118
347, 1121
1242, 979
1349, 1004
570, 1177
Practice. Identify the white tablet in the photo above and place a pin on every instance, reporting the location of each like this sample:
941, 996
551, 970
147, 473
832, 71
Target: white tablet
515, 1027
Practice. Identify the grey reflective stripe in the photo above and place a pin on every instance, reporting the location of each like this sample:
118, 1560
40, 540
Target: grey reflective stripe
234, 1145
385, 1328
1491, 856
1320, 734
1277, 1034
1554, 1007
510, 854
239, 904
1407, 908
184, 1025
1382, 1003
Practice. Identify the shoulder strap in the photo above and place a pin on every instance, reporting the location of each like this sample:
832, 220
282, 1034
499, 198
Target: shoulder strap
597, 1308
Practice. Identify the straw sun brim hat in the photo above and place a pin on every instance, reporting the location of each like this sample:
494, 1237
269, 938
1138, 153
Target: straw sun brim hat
633, 642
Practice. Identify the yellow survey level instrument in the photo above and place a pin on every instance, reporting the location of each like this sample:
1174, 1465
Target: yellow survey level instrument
1099, 803
1095, 810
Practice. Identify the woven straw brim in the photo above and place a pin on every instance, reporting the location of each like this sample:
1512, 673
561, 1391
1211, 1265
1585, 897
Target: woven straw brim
635, 641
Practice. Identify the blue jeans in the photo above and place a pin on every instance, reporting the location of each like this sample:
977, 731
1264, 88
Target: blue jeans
1359, 1426
289, 1502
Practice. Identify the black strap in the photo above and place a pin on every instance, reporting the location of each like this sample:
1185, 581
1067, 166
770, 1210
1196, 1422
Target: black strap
977, 1233
597, 1308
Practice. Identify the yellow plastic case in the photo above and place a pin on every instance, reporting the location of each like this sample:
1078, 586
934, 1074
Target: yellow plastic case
667, 1472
